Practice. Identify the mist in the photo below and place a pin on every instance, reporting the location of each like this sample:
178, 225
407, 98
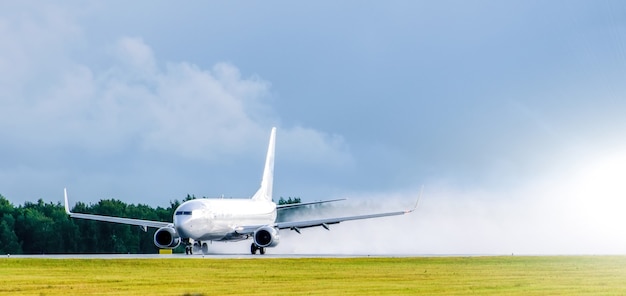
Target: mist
575, 208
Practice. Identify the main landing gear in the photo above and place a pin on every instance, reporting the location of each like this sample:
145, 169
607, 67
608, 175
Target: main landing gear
254, 248
196, 247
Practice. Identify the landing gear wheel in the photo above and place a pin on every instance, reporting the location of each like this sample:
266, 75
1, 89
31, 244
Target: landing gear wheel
205, 249
254, 248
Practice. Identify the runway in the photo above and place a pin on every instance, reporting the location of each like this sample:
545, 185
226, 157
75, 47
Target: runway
210, 256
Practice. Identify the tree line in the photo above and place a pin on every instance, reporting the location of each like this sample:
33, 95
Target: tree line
45, 228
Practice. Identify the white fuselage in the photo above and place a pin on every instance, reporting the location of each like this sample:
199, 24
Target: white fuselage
215, 219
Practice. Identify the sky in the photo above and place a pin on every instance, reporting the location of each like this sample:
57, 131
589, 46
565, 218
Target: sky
509, 113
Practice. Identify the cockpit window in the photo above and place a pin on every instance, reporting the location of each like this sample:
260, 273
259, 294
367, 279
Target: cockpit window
183, 213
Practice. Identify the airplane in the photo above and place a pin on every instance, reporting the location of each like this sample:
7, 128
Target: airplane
198, 221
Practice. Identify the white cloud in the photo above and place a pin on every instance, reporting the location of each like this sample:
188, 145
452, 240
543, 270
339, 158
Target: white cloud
175, 108
137, 55
34, 40
306, 145
98, 109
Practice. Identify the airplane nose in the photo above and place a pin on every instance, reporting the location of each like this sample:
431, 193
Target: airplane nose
183, 226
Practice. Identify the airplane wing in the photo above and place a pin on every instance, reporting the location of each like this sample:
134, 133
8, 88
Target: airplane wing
297, 225
290, 206
143, 223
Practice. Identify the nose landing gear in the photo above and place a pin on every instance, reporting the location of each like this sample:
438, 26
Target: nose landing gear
188, 246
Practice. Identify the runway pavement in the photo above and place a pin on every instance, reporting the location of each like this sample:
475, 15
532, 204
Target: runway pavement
210, 256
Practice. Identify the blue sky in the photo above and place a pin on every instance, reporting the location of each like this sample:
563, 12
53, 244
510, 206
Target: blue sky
515, 105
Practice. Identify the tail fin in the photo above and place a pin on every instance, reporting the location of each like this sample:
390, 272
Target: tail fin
265, 192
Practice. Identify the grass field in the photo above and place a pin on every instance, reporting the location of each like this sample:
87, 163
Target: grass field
579, 275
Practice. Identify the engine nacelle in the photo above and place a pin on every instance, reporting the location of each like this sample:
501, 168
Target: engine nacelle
266, 236
166, 238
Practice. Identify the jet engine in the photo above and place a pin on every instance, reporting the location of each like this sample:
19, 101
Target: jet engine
166, 238
266, 236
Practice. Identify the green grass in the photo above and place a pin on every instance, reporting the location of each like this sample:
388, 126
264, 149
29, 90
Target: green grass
591, 275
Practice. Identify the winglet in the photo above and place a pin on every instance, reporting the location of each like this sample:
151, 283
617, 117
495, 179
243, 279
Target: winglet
417, 202
67, 206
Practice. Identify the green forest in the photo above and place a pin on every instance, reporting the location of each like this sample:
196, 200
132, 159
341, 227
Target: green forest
45, 228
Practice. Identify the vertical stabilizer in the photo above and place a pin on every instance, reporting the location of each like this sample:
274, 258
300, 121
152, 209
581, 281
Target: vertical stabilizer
265, 192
